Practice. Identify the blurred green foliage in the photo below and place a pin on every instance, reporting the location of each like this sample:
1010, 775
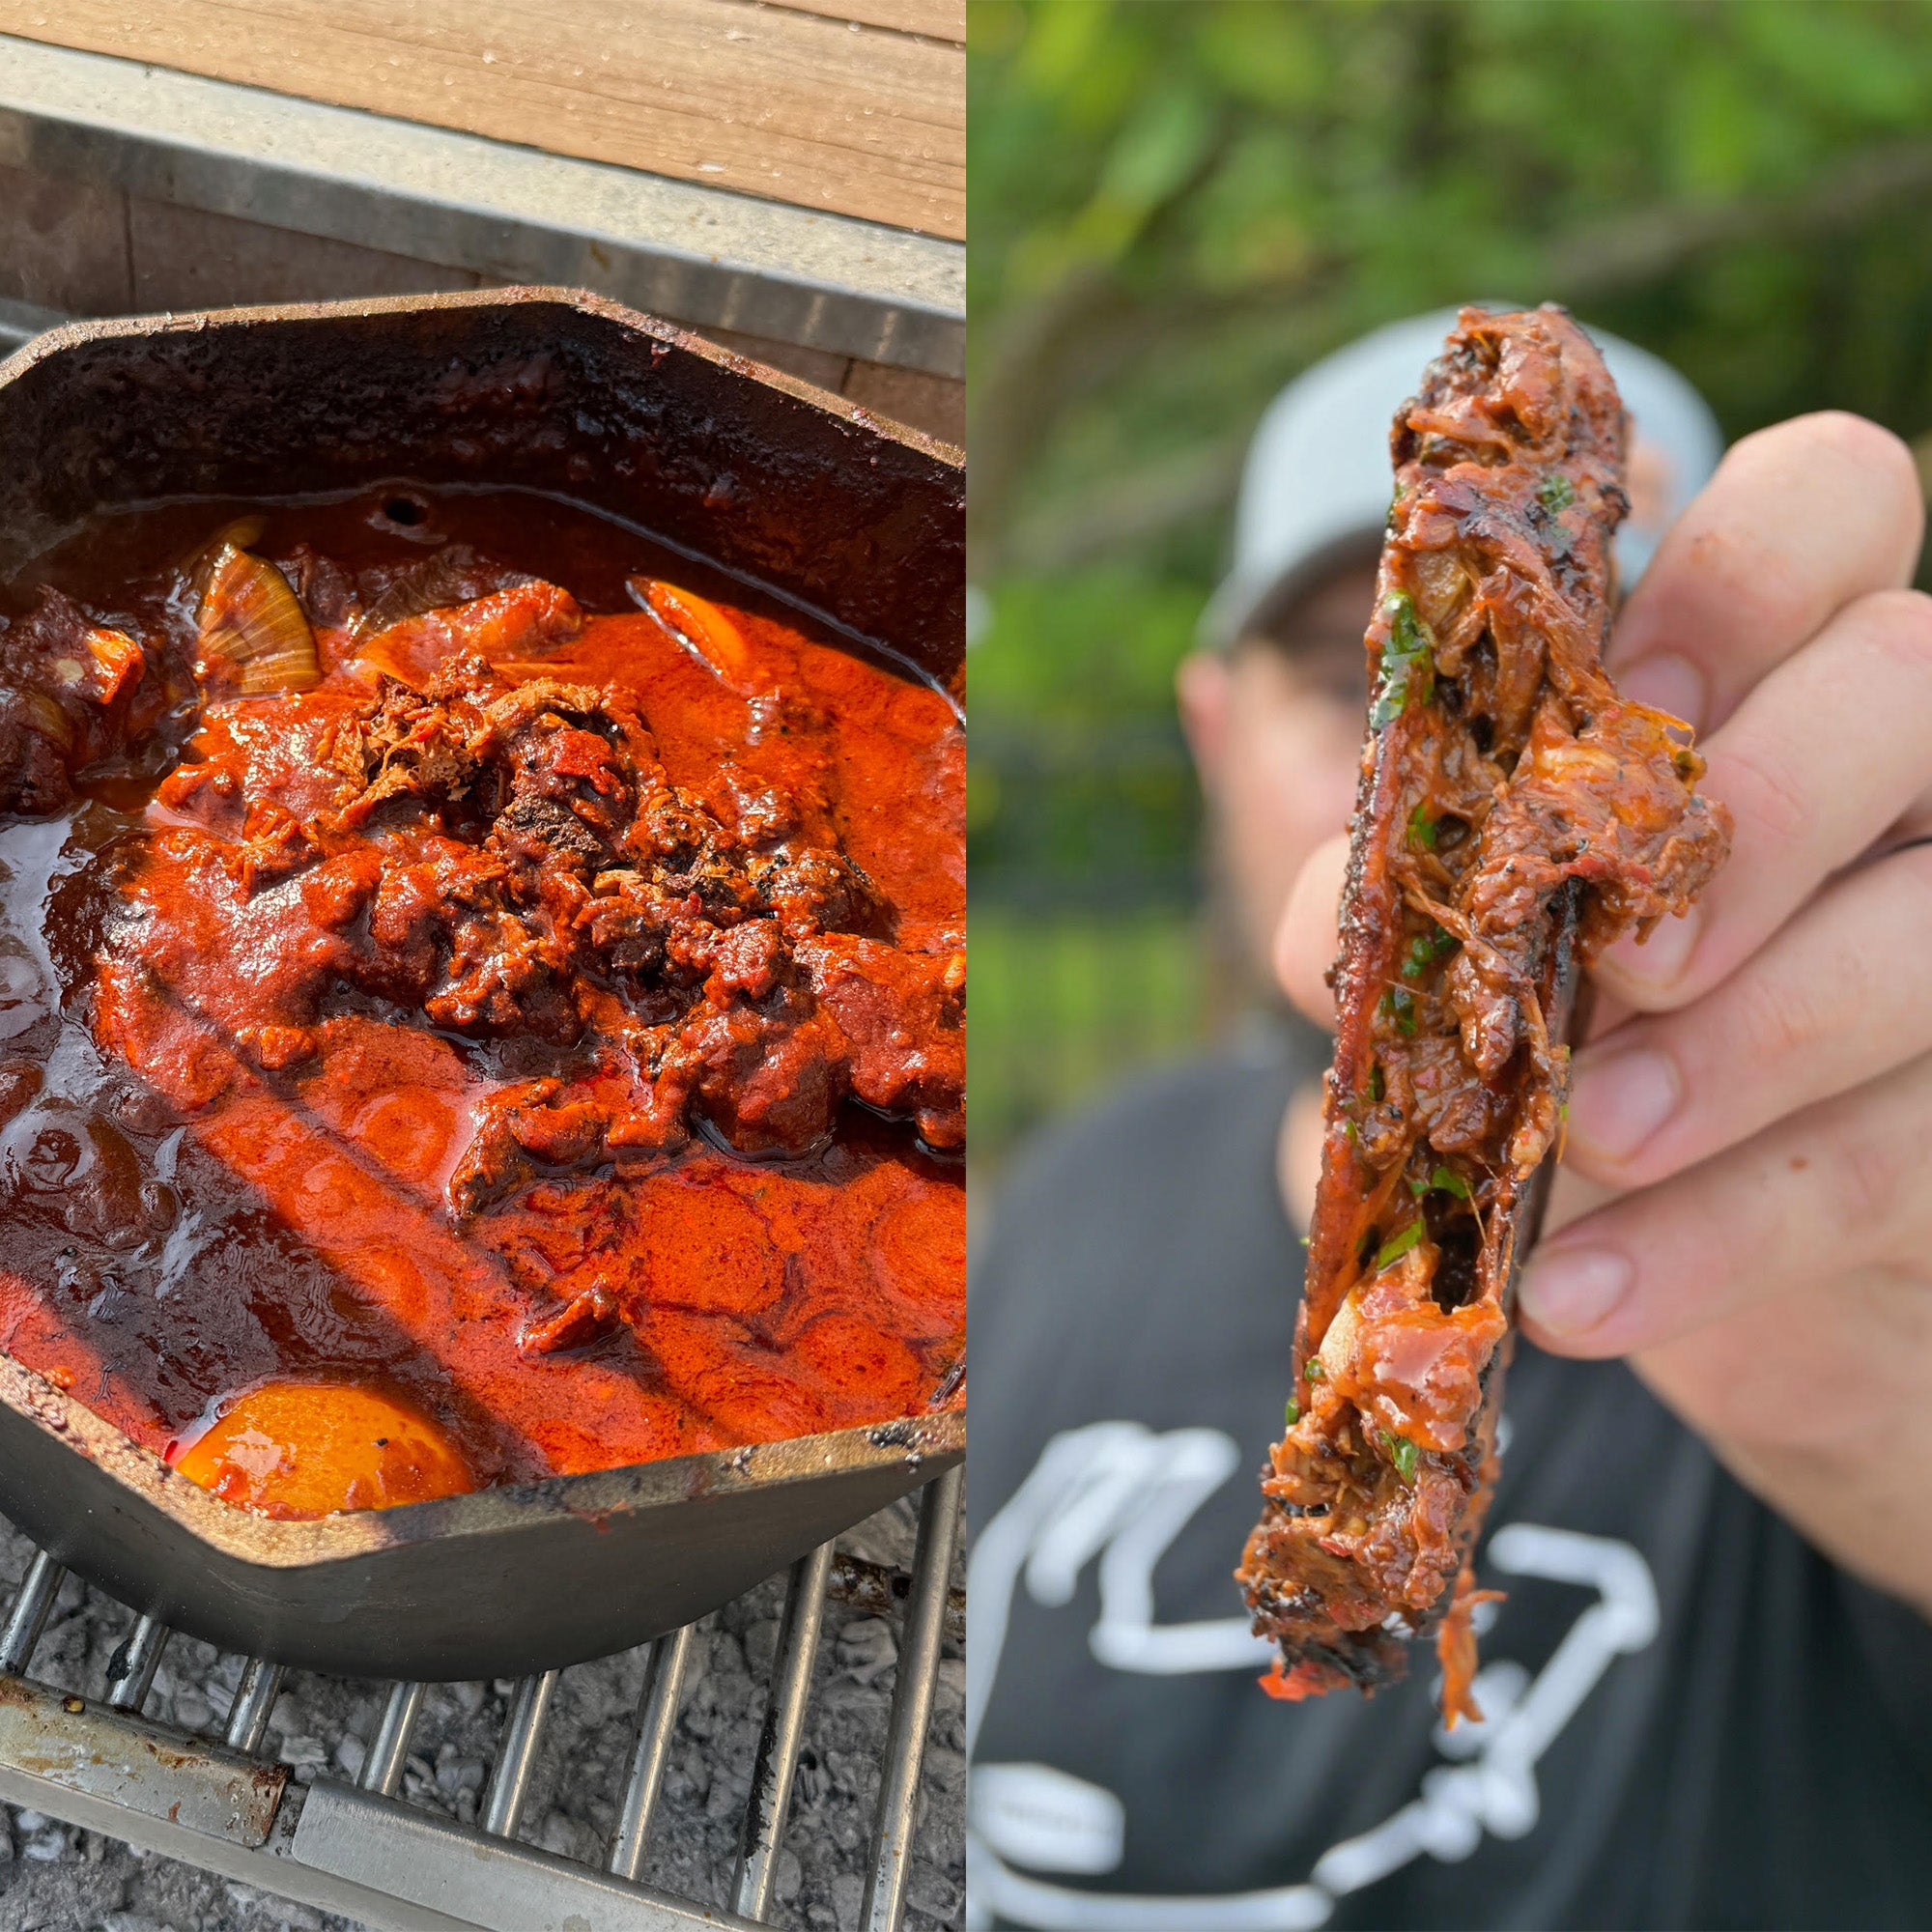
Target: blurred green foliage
1063, 1006
1176, 205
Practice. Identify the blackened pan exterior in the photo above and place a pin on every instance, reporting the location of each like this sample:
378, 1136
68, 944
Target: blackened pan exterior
549, 389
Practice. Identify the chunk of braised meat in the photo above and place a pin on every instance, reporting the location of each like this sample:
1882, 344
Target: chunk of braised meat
66, 698
522, 619
899, 1013
508, 859
1514, 816
1608, 806
36, 741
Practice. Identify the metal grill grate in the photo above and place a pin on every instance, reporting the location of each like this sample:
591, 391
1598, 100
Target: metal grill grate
365, 1851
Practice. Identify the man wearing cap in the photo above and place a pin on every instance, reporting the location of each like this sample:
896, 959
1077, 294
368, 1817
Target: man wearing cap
1706, 1694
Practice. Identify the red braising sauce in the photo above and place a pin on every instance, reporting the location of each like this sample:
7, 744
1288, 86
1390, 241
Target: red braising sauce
481, 997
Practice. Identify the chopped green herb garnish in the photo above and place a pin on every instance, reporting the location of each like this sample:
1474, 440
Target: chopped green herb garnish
1402, 1453
1450, 1184
1397, 1245
1313, 1369
1292, 1414
1424, 951
1409, 662
1418, 956
1555, 492
1377, 1085
1421, 829
1305, 1239
1398, 1005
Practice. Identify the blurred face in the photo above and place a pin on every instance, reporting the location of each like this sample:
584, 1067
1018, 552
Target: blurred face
1276, 731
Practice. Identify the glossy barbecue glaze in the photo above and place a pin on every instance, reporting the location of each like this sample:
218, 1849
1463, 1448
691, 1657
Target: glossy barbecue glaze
1513, 810
534, 1014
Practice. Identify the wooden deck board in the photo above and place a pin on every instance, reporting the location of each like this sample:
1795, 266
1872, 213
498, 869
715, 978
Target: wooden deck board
861, 114
937, 19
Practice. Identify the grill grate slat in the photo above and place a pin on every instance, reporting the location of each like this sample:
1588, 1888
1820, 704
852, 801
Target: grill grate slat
664, 1685
29, 1615
884, 1903
130, 1671
383, 1762
254, 1698
777, 1743
517, 1755
380, 1857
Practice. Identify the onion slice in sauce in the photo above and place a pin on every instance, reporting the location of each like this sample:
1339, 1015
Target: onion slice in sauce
250, 618
238, 533
701, 627
45, 716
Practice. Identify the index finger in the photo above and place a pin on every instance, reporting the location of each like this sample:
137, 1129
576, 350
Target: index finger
1800, 520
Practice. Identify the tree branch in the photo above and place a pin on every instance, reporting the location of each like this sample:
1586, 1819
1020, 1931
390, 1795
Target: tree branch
1642, 248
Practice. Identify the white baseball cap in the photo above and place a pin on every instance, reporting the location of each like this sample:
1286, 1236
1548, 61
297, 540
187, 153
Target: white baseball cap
1315, 490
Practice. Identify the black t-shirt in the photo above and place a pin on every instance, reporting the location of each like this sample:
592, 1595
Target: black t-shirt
1693, 1719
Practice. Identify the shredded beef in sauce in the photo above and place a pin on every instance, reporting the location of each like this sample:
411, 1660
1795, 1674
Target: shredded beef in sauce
1514, 816
508, 859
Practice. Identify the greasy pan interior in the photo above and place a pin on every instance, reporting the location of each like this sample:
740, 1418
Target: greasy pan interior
549, 389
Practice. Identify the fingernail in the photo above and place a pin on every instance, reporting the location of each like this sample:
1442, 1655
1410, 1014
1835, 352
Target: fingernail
1620, 1103
1667, 682
1572, 1290
1661, 959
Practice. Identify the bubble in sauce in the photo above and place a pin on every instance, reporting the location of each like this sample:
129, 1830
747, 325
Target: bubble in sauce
307, 1448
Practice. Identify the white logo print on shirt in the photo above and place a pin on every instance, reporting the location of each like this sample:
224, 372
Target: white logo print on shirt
1118, 1494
